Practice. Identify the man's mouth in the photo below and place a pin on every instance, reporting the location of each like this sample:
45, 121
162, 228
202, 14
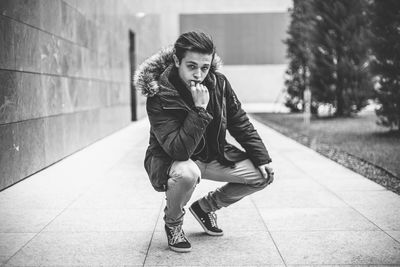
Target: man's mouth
195, 82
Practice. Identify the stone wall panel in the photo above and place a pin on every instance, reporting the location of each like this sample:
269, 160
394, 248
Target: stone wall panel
50, 54
68, 22
50, 16
8, 96
26, 44
64, 78
24, 11
7, 50
31, 97
54, 146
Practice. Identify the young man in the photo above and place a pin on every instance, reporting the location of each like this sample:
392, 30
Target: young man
190, 106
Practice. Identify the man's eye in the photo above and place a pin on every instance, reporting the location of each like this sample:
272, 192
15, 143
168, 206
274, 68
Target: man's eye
192, 67
204, 69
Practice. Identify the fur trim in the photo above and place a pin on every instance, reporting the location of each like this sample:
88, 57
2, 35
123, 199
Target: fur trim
147, 75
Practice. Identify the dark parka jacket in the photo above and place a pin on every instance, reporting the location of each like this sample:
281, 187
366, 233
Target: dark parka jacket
177, 130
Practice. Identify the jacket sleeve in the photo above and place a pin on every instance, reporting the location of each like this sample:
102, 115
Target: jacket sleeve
240, 127
178, 138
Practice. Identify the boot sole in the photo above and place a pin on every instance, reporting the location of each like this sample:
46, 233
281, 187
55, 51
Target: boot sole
202, 225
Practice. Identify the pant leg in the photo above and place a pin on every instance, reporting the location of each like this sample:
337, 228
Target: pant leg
243, 180
184, 176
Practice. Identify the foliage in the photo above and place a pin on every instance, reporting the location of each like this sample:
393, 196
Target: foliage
385, 16
329, 38
298, 51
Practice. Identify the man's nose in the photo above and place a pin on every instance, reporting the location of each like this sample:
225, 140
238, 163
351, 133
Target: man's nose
197, 74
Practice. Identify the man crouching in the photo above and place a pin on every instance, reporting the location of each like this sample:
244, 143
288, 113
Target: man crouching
190, 106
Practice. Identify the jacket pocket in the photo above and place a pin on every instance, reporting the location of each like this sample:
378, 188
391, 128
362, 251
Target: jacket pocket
234, 154
157, 169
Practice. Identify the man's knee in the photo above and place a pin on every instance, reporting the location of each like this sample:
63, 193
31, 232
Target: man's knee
186, 173
259, 181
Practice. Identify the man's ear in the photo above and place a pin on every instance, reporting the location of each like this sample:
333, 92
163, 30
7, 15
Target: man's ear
176, 60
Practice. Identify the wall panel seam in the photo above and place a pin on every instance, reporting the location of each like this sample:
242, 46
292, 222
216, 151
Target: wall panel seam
68, 77
67, 113
44, 31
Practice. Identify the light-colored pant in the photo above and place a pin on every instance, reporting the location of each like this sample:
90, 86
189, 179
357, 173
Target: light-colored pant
244, 179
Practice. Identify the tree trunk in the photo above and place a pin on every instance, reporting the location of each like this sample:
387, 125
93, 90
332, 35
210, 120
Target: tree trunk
339, 101
339, 87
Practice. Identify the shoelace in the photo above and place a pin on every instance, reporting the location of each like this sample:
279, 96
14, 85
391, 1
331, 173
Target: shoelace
177, 235
213, 219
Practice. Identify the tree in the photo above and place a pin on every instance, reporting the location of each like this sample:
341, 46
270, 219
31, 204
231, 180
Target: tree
339, 62
385, 66
298, 52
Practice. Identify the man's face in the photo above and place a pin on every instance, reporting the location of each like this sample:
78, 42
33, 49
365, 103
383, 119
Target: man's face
193, 67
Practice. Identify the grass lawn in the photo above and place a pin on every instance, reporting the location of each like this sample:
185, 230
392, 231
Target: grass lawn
344, 139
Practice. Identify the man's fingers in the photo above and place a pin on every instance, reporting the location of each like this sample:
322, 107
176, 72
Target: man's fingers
263, 172
267, 172
270, 175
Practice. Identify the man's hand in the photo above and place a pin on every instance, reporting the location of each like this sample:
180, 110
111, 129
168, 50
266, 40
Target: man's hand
200, 94
267, 172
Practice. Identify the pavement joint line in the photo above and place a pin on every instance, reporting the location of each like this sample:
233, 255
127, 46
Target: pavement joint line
269, 232
44, 227
40, 231
93, 184
336, 195
152, 234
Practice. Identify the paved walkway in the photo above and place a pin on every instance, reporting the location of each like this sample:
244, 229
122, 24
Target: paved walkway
97, 207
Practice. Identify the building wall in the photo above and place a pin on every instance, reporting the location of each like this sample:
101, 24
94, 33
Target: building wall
64, 77
243, 38
170, 10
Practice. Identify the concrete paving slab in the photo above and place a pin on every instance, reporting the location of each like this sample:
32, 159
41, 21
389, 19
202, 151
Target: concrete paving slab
386, 218
36, 200
315, 219
395, 235
99, 198
10, 243
350, 184
233, 249
84, 249
324, 169
340, 265
290, 185
337, 247
289, 173
380, 207
135, 183
25, 220
133, 220
296, 199
371, 199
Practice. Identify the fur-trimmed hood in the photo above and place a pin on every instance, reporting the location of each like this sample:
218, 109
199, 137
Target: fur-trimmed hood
148, 75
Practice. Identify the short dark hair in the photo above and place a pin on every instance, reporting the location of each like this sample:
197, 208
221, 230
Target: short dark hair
194, 41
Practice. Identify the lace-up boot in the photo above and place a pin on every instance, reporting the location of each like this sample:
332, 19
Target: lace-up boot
177, 240
207, 220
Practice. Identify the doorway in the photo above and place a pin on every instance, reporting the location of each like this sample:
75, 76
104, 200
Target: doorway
132, 62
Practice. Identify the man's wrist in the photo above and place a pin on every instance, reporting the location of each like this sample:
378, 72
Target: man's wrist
201, 106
